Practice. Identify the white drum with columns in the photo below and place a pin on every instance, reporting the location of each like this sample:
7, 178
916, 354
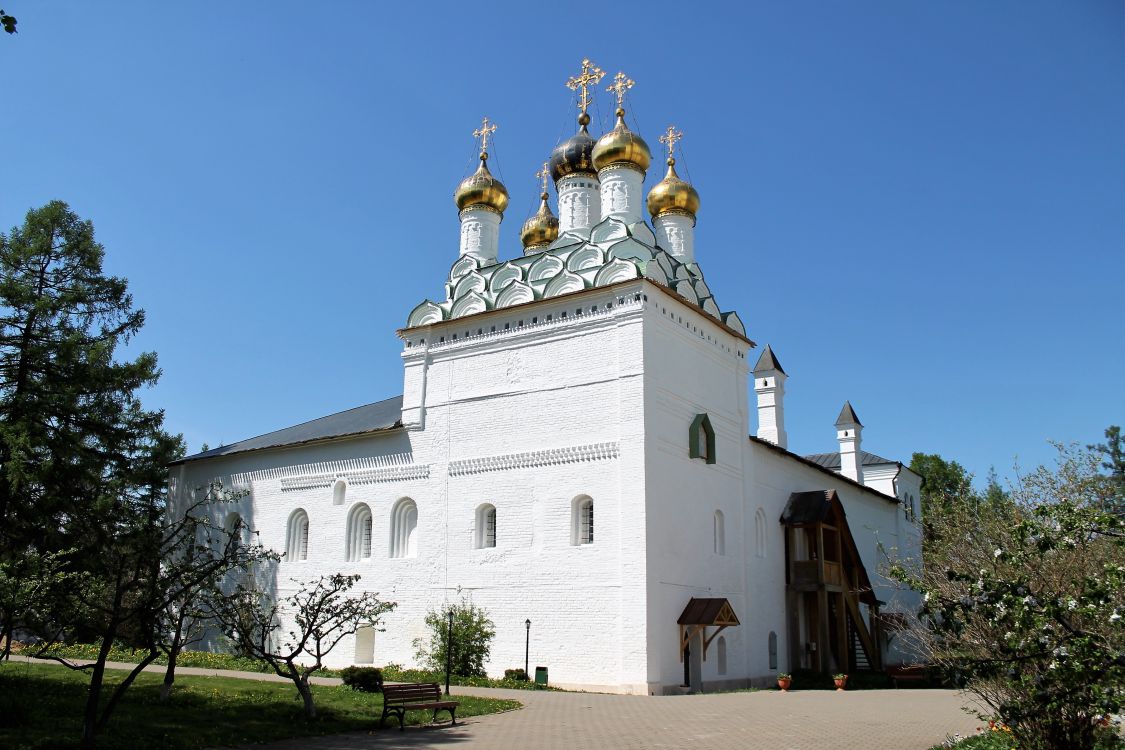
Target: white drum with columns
480, 233
621, 193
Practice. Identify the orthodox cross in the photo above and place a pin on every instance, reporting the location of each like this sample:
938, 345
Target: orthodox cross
670, 138
620, 85
483, 132
590, 76
543, 174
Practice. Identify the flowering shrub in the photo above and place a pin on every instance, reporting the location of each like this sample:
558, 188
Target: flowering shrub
1024, 604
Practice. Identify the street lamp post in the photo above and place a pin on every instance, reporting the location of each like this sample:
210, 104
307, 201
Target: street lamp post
448, 651
527, 646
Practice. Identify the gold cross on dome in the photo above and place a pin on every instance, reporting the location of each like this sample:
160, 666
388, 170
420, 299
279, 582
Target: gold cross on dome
591, 75
620, 85
543, 174
670, 138
483, 132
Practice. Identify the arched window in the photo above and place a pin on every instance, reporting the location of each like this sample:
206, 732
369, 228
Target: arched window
720, 534
359, 533
582, 520
760, 533
339, 489
486, 526
404, 529
297, 540
721, 650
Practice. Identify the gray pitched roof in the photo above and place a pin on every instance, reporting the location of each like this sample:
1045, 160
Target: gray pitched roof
847, 416
381, 415
768, 362
832, 460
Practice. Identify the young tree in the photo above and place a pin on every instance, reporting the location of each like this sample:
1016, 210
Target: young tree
150, 569
473, 632
1024, 603
294, 634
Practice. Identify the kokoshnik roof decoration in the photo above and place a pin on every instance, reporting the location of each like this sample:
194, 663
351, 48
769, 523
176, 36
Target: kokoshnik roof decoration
609, 252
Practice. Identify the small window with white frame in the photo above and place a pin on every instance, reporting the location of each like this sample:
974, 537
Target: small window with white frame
297, 542
582, 520
485, 536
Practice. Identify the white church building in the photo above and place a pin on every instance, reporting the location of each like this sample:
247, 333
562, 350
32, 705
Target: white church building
572, 447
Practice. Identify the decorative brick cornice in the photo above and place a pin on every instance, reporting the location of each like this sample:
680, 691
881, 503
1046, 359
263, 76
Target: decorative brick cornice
369, 470
548, 457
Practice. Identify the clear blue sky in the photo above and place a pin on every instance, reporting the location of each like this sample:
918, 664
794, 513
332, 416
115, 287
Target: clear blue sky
921, 206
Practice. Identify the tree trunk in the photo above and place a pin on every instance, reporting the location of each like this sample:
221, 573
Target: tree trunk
306, 695
173, 654
6, 635
93, 698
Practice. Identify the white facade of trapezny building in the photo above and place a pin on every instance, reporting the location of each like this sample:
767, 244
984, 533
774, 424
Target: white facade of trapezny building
612, 501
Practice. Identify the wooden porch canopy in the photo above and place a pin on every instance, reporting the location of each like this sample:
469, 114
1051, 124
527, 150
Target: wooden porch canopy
824, 507
700, 614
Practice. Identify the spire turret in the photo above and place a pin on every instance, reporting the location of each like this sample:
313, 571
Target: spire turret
543, 228
621, 158
673, 204
481, 200
572, 163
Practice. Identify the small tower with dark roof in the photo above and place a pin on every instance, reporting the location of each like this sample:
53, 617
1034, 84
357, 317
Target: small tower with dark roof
849, 432
769, 384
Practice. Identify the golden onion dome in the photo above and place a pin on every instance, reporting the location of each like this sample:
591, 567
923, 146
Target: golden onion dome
673, 195
621, 146
541, 229
574, 155
481, 189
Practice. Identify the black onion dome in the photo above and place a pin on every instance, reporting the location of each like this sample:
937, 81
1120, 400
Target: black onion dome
574, 155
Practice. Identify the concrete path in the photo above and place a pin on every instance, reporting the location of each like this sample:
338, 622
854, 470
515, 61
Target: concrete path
802, 720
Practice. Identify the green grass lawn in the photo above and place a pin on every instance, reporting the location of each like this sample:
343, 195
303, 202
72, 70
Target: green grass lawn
41, 707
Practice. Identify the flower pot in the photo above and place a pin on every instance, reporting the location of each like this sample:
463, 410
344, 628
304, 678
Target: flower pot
840, 683
784, 684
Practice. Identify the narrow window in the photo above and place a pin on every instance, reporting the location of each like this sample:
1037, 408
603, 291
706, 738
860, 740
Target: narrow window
486, 527
773, 650
720, 534
721, 648
582, 521
339, 488
359, 533
760, 533
404, 529
297, 540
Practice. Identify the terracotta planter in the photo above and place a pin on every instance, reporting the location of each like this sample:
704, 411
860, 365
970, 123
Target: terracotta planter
841, 683
784, 684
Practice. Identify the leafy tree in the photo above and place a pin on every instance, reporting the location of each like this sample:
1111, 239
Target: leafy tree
294, 634
1113, 461
473, 632
941, 480
1025, 603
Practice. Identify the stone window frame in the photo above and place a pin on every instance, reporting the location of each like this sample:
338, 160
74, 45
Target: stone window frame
701, 438
582, 521
404, 529
360, 522
484, 535
297, 536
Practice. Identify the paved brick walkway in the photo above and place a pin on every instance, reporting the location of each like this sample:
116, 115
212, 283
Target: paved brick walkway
860, 720
802, 720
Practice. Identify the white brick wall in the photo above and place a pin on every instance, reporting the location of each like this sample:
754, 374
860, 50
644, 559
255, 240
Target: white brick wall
529, 419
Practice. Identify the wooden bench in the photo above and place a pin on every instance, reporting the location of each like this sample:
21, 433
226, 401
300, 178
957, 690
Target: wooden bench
414, 696
907, 673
